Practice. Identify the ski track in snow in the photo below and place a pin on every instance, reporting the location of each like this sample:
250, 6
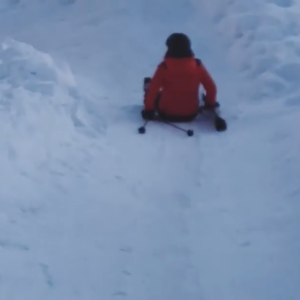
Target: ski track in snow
91, 210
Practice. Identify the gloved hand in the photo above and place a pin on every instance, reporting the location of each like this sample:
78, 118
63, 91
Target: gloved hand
220, 124
147, 81
148, 114
208, 105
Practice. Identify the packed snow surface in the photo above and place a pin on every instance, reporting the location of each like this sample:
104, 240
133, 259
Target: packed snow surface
90, 209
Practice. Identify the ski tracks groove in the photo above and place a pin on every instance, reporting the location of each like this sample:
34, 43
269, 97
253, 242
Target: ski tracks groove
155, 253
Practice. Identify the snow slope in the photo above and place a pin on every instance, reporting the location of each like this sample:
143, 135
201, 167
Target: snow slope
89, 209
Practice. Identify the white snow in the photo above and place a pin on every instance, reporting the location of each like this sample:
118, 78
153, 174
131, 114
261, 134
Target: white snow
90, 209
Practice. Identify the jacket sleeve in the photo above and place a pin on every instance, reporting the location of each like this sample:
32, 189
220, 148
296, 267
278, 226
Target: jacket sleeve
154, 88
208, 84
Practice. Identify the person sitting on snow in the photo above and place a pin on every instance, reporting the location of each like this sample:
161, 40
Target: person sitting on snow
173, 91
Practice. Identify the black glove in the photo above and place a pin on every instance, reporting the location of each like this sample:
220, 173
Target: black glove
207, 105
148, 114
220, 124
147, 81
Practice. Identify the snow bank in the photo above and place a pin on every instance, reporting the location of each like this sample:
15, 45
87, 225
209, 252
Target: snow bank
39, 123
36, 93
262, 42
21, 66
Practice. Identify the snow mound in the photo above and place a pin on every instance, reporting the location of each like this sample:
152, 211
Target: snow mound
39, 126
33, 84
262, 39
23, 66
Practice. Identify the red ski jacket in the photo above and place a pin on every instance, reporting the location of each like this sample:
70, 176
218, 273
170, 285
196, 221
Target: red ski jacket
179, 80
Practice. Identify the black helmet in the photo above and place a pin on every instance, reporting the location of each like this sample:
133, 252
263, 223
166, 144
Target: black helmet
179, 45
178, 40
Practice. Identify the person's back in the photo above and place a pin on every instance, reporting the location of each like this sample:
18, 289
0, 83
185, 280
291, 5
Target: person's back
177, 81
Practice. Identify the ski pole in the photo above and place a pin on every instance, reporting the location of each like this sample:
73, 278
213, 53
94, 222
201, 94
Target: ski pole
189, 132
142, 129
